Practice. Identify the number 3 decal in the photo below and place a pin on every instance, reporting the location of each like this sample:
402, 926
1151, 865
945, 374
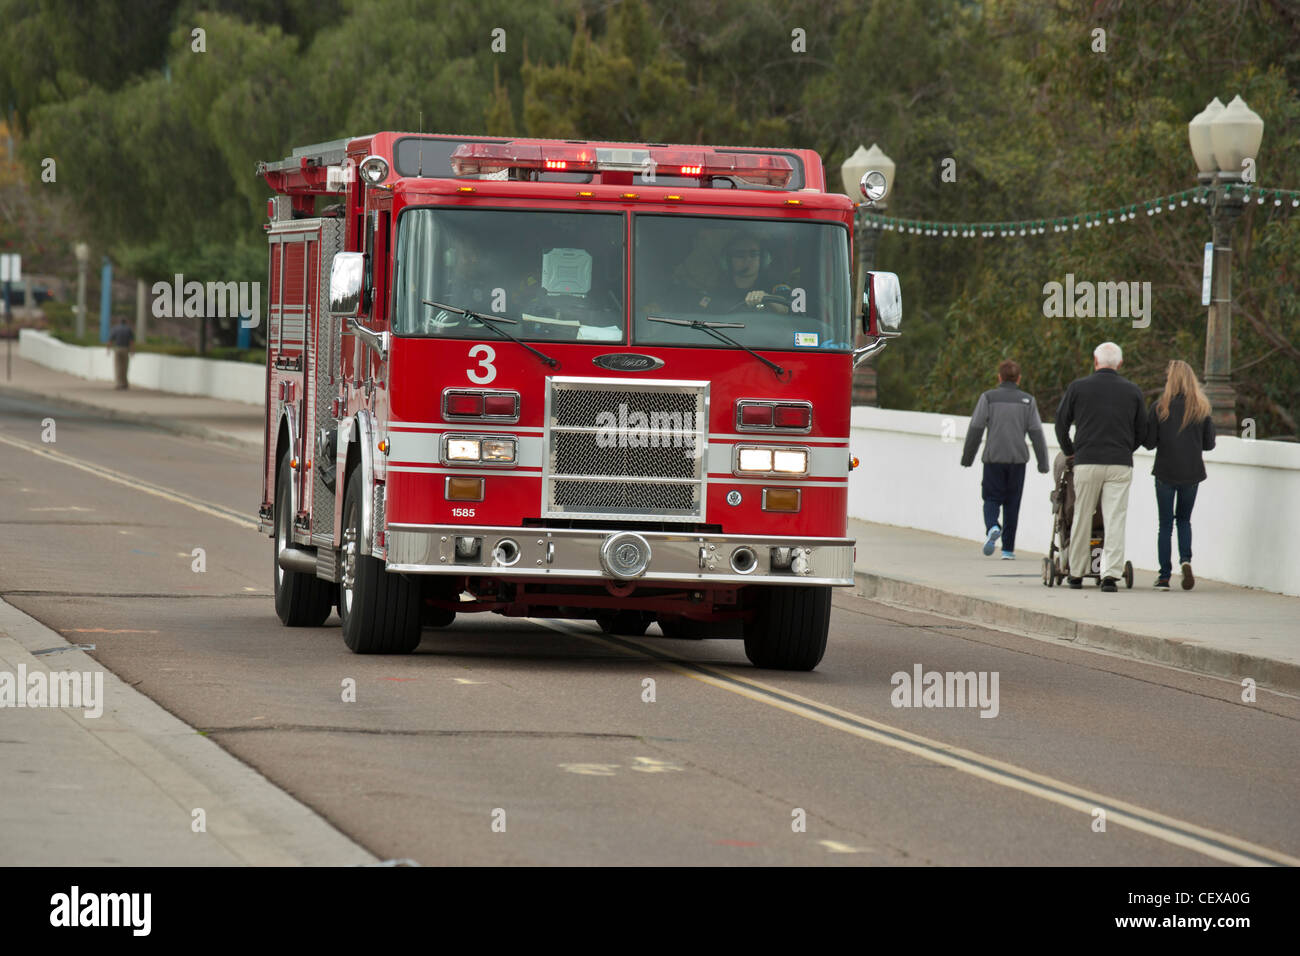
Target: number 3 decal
489, 370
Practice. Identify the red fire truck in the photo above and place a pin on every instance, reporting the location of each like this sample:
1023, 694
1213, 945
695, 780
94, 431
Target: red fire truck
562, 379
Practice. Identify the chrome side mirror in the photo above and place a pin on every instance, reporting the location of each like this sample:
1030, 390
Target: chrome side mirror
882, 305
347, 276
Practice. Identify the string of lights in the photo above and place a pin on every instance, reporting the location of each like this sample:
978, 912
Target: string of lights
1085, 220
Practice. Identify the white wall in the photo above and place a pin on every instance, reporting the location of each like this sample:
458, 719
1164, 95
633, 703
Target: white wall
231, 381
1245, 526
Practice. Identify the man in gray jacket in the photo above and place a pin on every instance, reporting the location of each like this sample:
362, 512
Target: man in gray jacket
1010, 415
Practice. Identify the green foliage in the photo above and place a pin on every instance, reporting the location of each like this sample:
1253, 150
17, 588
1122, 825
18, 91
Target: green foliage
156, 143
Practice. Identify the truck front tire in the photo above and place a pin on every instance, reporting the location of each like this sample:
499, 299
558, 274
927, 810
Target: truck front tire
301, 599
380, 610
789, 627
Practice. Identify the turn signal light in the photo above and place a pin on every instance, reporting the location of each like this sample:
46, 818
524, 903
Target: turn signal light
500, 404
469, 404
793, 416
465, 405
781, 499
464, 489
759, 415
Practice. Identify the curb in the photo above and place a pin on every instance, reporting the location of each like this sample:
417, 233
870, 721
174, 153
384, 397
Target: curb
254, 820
135, 418
1277, 675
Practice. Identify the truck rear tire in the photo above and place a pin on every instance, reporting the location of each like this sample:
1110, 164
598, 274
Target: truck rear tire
380, 610
301, 599
789, 627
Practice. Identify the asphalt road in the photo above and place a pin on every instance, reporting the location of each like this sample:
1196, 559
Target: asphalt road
545, 726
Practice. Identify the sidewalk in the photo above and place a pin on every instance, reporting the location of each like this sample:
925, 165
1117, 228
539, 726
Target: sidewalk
120, 788
237, 423
1215, 628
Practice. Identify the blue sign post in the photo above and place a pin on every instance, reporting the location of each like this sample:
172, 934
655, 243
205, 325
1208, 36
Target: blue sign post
105, 299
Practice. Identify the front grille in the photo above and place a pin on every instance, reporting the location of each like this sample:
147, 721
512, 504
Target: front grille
589, 405
632, 450
578, 453
621, 497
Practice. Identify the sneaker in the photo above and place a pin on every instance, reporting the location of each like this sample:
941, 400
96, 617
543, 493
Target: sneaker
1162, 584
1189, 582
1108, 584
994, 533
1076, 583
1008, 556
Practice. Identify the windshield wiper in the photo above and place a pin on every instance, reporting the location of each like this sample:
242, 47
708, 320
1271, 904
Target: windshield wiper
487, 320
712, 329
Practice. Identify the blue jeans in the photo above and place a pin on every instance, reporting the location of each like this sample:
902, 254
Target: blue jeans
1174, 503
1002, 487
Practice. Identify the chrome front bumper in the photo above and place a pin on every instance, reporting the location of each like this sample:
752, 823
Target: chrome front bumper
564, 553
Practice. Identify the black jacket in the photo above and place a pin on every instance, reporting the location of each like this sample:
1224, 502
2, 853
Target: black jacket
1178, 449
1109, 416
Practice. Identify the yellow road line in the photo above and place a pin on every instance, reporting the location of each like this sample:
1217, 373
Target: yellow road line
1212, 843
109, 474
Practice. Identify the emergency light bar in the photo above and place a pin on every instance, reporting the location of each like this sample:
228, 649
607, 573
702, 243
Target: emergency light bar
479, 159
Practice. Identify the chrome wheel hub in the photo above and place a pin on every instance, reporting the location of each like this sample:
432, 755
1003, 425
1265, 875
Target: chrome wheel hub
349, 575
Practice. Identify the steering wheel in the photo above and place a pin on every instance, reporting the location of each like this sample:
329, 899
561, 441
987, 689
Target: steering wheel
768, 297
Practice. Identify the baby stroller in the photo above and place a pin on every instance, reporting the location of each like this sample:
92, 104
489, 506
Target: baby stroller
1056, 565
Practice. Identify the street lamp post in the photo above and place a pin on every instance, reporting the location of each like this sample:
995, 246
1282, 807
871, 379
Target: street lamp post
1225, 142
852, 170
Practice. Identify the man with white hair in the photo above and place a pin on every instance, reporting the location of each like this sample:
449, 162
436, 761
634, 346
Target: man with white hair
1107, 412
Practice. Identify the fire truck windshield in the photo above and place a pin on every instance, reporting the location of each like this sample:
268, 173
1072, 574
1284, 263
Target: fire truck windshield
786, 281
559, 275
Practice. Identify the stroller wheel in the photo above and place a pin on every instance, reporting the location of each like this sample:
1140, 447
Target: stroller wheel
1049, 578
1128, 574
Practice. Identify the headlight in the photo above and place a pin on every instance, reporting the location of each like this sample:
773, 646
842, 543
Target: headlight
499, 449
771, 460
492, 450
463, 449
873, 185
791, 462
374, 169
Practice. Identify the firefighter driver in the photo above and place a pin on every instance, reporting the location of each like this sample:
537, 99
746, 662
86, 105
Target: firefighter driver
746, 283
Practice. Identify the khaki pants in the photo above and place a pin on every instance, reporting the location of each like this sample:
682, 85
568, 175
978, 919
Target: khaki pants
1111, 484
121, 356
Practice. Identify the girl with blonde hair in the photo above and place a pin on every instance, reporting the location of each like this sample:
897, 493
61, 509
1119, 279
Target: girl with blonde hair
1180, 429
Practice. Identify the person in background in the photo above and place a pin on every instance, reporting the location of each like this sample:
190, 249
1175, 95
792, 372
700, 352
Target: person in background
121, 342
1180, 429
1109, 417
1010, 415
